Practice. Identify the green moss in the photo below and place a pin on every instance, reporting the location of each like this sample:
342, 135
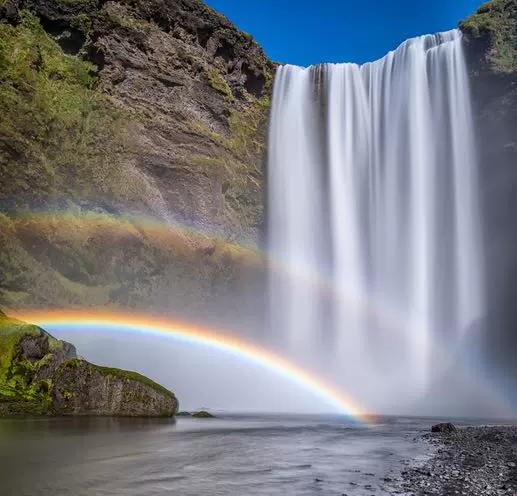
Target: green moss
68, 395
219, 84
246, 140
59, 137
15, 407
11, 333
202, 414
71, 363
211, 12
496, 20
16, 372
53, 344
21, 393
247, 36
203, 130
207, 162
132, 376
118, 21
82, 22
92, 3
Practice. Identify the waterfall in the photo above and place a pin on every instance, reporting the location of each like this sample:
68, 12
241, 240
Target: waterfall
373, 215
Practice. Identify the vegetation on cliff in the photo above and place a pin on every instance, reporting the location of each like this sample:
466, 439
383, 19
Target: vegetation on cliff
42, 375
497, 22
57, 133
16, 371
122, 110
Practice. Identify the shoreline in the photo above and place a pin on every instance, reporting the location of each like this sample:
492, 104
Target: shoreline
471, 461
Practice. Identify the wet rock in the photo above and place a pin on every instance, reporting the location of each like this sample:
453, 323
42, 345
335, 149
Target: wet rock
446, 428
474, 462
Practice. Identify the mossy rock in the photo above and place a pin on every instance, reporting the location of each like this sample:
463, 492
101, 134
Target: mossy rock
40, 375
497, 22
203, 414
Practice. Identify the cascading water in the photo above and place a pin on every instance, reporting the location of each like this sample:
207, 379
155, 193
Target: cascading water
373, 212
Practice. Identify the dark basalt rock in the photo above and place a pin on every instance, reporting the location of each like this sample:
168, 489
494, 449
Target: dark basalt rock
490, 37
445, 428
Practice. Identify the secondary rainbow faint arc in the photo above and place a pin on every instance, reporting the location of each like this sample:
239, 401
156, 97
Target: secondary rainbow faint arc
197, 335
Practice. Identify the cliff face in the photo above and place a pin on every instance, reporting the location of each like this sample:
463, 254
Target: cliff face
491, 47
131, 108
42, 375
190, 87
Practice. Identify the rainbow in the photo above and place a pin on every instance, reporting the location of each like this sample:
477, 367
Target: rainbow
147, 324
178, 238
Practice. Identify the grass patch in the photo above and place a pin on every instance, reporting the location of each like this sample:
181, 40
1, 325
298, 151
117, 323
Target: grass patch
90, 3
11, 333
116, 20
218, 83
16, 372
208, 162
497, 20
59, 137
132, 376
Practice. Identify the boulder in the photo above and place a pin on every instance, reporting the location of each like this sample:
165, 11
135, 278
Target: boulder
42, 375
445, 428
203, 414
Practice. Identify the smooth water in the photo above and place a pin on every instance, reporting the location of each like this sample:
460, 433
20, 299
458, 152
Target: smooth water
188, 457
374, 217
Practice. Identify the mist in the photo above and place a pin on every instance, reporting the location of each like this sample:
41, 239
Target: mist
202, 378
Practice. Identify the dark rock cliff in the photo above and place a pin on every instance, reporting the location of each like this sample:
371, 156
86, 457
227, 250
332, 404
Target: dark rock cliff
491, 47
183, 75
42, 375
130, 109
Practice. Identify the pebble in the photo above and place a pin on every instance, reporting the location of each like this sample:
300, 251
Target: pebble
471, 462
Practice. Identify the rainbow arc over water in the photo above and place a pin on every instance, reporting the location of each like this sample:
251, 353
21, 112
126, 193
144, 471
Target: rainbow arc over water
225, 342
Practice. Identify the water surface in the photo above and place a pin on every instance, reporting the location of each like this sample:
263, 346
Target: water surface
230, 455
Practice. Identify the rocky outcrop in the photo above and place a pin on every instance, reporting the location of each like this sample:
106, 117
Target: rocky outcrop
202, 414
42, 375
446, 428
83, 388
136, 110
491, 48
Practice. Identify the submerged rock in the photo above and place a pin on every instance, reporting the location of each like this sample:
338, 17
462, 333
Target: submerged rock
446, 427
42, 375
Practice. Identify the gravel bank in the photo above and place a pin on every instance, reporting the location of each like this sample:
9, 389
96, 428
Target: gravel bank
472, 461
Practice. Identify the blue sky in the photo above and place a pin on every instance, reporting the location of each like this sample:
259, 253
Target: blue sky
307, 32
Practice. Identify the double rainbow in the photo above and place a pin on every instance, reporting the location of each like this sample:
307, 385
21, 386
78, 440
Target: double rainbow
137, 323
